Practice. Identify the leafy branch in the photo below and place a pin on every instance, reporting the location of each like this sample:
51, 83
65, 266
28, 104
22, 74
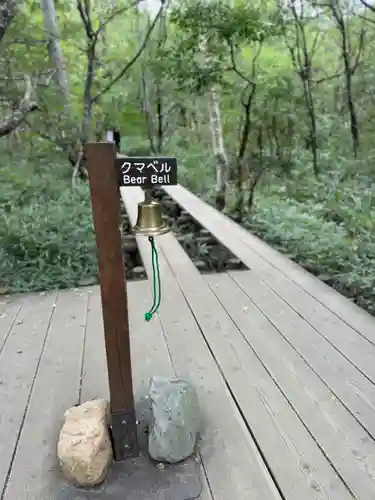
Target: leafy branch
133, 60
26, 106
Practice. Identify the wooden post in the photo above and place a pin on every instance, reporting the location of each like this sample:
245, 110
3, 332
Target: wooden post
105, 199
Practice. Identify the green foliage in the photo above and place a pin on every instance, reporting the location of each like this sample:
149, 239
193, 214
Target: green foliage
193, 71
240, 23
196, 168
330, 232
46, 235
206, 33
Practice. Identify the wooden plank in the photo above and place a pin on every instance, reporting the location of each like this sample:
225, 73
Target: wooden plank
56, 388
221, 226
348, 384
18, 365
348, 341
148, 348
234, 467
333, 328
150, 355
10, 307
284, 441
346, 444
206, 491
94, 367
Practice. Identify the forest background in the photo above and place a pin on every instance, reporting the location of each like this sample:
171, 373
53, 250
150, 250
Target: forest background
268, 106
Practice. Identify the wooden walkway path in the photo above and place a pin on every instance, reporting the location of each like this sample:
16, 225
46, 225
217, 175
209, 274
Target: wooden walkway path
284, 367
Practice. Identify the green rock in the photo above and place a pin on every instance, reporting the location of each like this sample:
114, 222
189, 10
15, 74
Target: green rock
175, 419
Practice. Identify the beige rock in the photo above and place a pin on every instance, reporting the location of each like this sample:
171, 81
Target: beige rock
84, 448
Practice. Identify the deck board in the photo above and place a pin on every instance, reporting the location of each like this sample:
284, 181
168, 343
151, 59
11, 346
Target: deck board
149, 351
284, 441
347, 445
334, 317
9, 311
94, 367
338, 333
233, 465
206, 492
19, 361
348, 384
56, 388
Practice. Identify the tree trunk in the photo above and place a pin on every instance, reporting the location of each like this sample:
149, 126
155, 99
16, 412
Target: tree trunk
346, 57
222, 164
144, 94
244, 140
302, 57
54, 48
7, 13
86, 130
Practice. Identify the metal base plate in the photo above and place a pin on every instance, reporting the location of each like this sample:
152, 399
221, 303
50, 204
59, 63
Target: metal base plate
141, 479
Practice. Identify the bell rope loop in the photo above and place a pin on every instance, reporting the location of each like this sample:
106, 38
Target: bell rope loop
156, 280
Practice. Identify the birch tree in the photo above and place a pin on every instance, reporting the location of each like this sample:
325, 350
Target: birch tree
52, 36
27, 104
222, 163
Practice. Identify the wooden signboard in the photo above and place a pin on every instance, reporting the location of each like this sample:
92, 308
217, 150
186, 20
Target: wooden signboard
146, 172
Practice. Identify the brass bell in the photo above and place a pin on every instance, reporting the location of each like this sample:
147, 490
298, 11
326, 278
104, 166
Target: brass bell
149, 220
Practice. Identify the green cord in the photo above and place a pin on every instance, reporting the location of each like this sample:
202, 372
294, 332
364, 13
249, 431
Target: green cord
156, 277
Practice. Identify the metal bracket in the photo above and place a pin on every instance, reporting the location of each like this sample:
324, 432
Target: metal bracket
124, 435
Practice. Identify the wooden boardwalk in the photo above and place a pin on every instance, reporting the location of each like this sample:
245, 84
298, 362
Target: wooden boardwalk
284, 368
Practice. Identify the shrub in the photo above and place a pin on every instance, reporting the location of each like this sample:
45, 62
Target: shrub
331, 251
46, 233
